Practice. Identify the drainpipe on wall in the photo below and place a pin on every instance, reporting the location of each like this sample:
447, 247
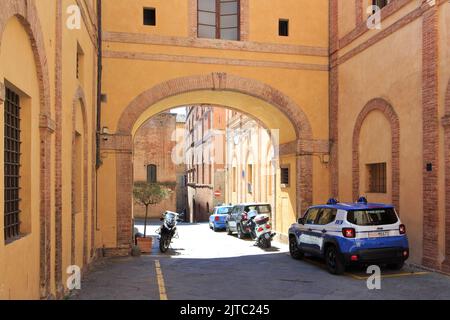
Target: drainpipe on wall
98, 161
99, 81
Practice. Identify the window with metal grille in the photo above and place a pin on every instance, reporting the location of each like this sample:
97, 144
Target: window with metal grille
12, 165
285, 176
151, 173
218, 19
376, 177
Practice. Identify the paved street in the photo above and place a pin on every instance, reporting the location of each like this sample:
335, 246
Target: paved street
207, 265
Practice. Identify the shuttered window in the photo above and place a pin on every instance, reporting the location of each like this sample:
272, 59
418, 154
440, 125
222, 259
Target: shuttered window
285, 176
218, 19
151, 173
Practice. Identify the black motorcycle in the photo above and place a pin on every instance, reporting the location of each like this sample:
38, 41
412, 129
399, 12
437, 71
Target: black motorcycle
168, 230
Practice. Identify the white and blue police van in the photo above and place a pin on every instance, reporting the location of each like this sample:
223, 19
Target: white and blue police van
346, 234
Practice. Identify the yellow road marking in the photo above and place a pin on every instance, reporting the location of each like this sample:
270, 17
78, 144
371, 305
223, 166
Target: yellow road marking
160, 278
395, 275
354, 276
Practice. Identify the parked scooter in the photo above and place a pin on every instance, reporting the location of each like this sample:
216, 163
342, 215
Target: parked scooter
260, 229
168, 230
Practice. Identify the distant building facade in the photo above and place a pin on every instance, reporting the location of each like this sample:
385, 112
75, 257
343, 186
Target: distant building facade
205, 170
251, 161
154, 145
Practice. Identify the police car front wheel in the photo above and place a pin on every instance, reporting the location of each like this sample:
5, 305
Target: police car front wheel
294, 250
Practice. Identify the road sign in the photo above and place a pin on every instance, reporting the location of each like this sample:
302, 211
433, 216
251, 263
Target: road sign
217, 193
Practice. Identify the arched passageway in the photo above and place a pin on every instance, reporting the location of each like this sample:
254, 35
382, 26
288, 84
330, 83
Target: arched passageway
263, 102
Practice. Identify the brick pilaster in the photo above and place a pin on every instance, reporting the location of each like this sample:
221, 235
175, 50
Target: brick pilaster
334, 99
58, 151
124, 169
446, 124
430, 136
359, 12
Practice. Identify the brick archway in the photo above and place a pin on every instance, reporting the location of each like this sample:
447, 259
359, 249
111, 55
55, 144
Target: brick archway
216, 82
390, 114
80, 98
446, 125
26, 12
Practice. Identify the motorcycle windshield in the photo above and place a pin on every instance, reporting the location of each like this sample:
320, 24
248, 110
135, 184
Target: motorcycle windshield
170, 218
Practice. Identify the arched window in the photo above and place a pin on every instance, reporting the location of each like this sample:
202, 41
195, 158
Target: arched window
151, 173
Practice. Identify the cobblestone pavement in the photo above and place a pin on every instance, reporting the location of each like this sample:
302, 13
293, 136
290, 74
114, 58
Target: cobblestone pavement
203, 264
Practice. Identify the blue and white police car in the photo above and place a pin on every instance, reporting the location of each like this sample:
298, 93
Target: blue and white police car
351, 233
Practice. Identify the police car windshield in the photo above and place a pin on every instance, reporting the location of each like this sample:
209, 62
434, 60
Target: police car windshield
374, 217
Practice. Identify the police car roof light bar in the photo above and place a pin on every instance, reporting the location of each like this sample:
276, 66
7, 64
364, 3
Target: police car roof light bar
362, 200
332, 201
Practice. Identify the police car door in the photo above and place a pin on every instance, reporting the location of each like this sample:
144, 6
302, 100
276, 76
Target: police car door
310, 239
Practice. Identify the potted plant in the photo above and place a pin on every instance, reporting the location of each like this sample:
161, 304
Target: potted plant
148, 194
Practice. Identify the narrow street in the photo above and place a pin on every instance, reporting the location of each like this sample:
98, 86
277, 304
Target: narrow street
203, 264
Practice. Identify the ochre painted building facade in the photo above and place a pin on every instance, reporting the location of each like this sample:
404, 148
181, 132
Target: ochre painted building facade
48, 76
352, 105
282, 81
390, 105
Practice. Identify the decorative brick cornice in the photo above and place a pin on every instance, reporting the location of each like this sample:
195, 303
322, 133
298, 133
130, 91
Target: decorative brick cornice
194, 42
289, 148
116, 142
314, 147
384, 33
390, 114
361, 26
304, 147
45, 122
211, 60
387, 11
